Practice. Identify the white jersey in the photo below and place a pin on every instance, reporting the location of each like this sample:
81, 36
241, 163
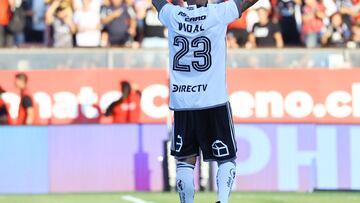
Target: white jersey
197, 51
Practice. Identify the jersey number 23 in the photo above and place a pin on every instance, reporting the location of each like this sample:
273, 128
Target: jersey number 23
203, 53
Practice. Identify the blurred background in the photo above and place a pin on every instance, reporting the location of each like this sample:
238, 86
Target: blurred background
84, 93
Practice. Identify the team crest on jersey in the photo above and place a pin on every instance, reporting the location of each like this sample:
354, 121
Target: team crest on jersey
220, 149
182, 14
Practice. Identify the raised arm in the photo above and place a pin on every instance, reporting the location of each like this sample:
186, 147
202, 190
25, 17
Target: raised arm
159, 4
49, 15
244, 4
229, 11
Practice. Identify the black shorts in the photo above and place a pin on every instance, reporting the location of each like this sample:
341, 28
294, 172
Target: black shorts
211, 130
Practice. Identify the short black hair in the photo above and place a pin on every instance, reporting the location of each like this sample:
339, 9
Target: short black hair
22, 76
125, 84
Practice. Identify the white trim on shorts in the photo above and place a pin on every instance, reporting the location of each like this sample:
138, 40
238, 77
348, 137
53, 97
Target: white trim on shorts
231, 124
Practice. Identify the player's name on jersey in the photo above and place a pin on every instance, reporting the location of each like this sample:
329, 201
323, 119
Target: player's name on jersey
189, 88
190, 28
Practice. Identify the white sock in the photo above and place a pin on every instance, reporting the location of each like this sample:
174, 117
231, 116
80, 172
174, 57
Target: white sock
225, 179
185, 182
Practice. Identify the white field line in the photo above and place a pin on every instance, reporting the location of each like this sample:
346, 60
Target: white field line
133, 199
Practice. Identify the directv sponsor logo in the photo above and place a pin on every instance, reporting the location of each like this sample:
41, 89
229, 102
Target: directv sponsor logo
189, 88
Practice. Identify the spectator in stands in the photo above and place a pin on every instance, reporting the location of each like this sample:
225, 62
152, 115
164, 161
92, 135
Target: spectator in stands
289, 12
27, 6
127, 108
313, 14
237, 30
104, 32
94, 4
87, 21
154, 31
35, 11
337, 33
119, 23
4, 113
347, 10
265, 33
141, 8
355, 38
133, 18
60, 17
26, 114
252, 15
231, 41
6, 37
18, 22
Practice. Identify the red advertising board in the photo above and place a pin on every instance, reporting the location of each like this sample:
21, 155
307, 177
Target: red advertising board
256, 95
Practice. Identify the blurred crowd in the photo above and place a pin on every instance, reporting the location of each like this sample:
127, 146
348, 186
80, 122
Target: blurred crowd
134, 24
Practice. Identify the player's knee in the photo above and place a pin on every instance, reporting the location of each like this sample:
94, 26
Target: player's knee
227, 161
188, 160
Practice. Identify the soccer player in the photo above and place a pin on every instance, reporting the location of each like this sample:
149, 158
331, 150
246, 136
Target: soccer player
127, 108
198, 93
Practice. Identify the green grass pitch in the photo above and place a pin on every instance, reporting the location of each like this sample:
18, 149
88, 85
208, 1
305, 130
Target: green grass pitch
136, 197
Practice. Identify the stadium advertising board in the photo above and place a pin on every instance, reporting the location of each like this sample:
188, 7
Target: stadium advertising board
106, 158
281, 96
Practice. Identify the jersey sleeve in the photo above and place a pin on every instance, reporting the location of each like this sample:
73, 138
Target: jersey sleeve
110, 109
228, 11
166, 14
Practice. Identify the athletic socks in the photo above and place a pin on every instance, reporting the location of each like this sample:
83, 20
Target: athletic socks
185, 182
225, 179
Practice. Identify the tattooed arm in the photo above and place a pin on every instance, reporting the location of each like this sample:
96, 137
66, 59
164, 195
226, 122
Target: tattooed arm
159, 4
244, 4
